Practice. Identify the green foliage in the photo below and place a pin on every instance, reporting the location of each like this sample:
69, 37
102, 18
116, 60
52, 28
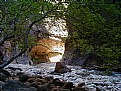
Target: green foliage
17, 16
96, 29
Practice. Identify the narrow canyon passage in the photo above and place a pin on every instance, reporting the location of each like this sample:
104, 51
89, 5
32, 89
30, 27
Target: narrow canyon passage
59, 49
59, 32
50, 48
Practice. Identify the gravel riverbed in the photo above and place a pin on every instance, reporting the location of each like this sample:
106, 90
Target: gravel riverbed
92, 79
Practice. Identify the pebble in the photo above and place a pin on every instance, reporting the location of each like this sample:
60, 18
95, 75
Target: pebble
77, 75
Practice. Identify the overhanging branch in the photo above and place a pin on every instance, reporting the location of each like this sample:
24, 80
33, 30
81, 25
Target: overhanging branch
43, 16
10, 60
6, 38
26, 38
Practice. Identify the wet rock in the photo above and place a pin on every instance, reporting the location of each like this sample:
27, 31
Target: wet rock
91, 88
57, 82
27, 83
58, 88
36, 81
31, 89
81, 84
61, 68
24, 59
49, 78
99, 83
14, 69
23, 78
19, 73
5, 72
3, 77
25, 89
82, 72
13, 78
44, 87
34, 84
79, 80
79, 89
1, 84
68, 85
92, 80
41, 80
96, 67
31, 80
14, 85
99, 89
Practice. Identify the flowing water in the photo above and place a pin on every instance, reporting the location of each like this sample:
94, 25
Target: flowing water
58, 29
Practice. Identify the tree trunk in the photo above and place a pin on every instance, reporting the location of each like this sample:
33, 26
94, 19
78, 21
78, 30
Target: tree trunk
1, 55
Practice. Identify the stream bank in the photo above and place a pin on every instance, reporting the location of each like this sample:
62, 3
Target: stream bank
90, 80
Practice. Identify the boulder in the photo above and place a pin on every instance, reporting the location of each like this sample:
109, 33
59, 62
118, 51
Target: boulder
5, 72
61, 68
57, 82
49, 78
39, 80
44, 87
80, 89
14, 85
34, 84
3, 77
81, 84
68, 85
24, 59
23, 78
39, 31
1, 84
39, 54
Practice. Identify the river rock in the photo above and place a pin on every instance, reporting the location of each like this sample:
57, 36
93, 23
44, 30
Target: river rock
5, 72
81, 84
68, 85
79, 89
36, 81
92, 80
44, 87
35, 84
1, 84
2, 77
57, 82
23, 78
49, 78
14, 85
61, 68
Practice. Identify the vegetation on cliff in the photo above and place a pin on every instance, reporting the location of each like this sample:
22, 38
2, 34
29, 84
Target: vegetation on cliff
17, 18
95, 32
94, 28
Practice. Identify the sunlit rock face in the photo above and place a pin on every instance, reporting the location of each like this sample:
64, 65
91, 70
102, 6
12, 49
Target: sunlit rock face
59, 32
39, 31
53, 42
56, 28
59, 49
40, 54
47, 50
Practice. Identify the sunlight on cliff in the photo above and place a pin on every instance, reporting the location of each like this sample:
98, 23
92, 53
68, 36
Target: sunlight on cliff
56, 58
59, 49
51, 48
59, 31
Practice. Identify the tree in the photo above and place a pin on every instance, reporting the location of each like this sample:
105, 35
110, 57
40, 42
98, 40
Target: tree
94, 30
17, 18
